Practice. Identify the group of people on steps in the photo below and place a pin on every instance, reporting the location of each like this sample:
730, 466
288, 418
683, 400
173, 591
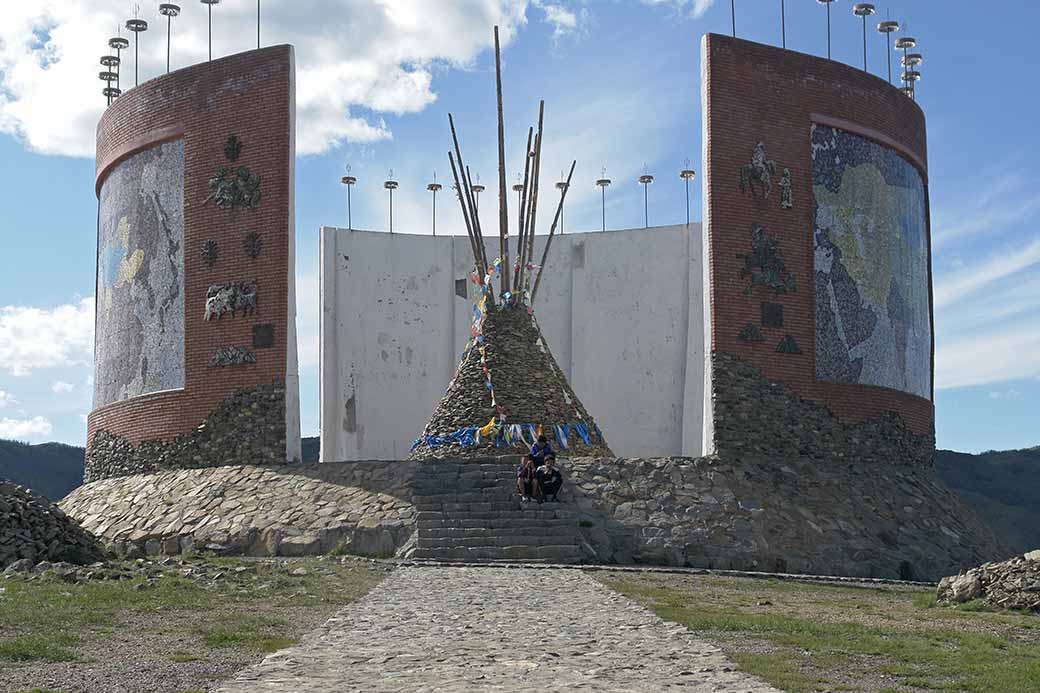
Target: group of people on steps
537, 478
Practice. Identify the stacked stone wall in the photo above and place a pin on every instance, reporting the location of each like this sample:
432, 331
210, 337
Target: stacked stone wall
779, 515
33, 529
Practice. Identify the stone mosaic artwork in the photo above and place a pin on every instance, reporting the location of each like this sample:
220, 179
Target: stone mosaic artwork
871, 265
139, 340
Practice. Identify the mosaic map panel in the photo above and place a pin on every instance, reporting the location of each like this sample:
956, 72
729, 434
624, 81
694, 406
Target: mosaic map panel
871, 265
139, 333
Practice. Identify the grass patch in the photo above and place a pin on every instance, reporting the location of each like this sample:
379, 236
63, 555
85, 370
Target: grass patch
815, 637
45, 620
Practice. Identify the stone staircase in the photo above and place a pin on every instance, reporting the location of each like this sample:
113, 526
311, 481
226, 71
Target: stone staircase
468, 510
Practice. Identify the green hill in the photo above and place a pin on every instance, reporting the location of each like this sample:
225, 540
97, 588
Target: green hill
1002, 486
50, 469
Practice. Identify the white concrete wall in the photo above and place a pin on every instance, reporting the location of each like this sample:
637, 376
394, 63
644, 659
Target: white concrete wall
621, 311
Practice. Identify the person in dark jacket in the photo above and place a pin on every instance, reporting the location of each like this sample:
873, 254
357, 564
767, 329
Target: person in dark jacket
527, 481
549, 479
539, 451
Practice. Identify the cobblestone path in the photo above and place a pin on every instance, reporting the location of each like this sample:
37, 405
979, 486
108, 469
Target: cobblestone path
453, 629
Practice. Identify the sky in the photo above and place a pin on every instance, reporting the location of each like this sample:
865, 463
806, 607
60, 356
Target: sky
621, 83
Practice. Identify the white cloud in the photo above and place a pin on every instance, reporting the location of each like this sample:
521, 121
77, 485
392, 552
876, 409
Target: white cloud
19, 429
355, 60
62, 386
7, 400
1001, 264
1008, 394
983, 358
32, 338
564, 21
696, 8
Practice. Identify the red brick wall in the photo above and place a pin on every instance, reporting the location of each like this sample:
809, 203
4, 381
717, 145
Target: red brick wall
249, 95
761, 93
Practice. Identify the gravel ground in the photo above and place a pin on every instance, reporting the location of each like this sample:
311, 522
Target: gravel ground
163, 648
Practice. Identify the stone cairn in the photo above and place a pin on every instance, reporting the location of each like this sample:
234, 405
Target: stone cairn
508, 388
33, 530
1010, 584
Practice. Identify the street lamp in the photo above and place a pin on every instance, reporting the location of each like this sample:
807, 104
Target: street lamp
645, 180
348, 181
603, 183
828, 4
434, 187
887, 28
209, 4
391, 185
562, 186
137, 26
687, 175
168, 10
864, 10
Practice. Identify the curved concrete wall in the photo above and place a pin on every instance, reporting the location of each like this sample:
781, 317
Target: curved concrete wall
862, 350
196, 316
621, 312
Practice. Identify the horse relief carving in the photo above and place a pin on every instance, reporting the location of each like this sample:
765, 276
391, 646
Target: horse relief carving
758, 175
230, 298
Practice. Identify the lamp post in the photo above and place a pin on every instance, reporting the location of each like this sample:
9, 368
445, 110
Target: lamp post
391, 185
562, 186
828, 4
119, 44
603, 183
687, 175
783, 26
645, 180
864, 10
477, 189
258, 24
905, 43
110, 74
886, 28
169, 10
209, 4
137, 26
348, 181
733, 16
434, 187
911, 61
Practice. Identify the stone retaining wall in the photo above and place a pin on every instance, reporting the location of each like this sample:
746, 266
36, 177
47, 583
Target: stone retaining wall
247, 427
362, 507
763, 418
798, 515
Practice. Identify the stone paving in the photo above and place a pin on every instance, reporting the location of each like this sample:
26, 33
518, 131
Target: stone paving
500, 628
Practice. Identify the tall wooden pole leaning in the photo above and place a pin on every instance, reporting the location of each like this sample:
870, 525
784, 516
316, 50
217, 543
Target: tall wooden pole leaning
503, 212
552, 230
465, 217
536, 176
476, 223
521, 244
467, 192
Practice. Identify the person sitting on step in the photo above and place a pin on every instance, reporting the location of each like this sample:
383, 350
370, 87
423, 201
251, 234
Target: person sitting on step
539, 451
527, 480
549, 479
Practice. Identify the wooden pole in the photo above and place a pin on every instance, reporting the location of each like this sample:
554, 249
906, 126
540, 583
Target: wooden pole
503, 199
467, 191
521, 244
552, 230
536, 176
465, 217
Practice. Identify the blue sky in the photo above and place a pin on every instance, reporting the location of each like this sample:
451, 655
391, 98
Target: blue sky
621, 82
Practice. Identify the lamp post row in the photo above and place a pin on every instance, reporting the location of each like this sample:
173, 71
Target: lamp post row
686, 174
910, 61
137, 26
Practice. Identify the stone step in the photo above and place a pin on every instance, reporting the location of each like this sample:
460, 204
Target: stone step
514, 514
450, 528
468, 496
564, 553
493, 539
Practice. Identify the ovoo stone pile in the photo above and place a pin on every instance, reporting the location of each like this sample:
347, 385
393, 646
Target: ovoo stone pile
1011, 584
528, 385
35, 530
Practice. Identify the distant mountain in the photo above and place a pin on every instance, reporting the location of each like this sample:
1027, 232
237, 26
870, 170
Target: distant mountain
50, 469
1003, 487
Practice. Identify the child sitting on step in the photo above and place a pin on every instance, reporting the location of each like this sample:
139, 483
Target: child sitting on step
549, 479
527, 480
